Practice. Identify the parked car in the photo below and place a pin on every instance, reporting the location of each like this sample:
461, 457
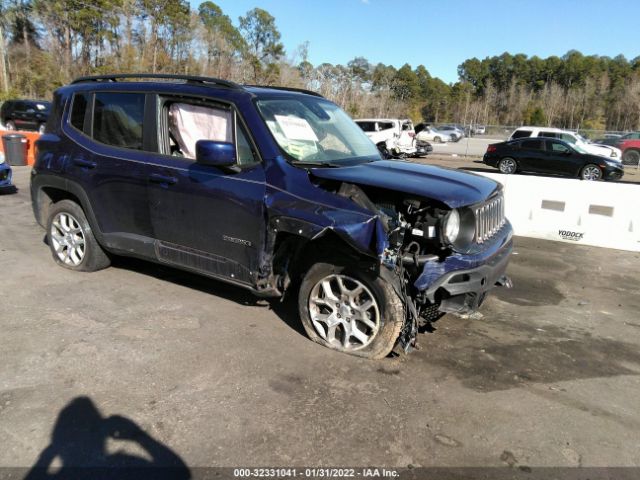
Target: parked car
570, 137
25, 114
454, 132
395, 135
426, 133
613, 140
266, 188
551, 156
5, 173
630, 150
479, 130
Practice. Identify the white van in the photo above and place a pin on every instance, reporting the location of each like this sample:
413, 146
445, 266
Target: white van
568, 136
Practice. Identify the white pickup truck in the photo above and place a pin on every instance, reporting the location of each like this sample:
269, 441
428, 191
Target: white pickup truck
397, 134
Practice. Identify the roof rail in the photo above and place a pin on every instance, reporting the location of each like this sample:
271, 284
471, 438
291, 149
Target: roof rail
290, 89
160, 76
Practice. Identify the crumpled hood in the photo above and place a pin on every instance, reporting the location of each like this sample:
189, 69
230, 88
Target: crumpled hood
454, 188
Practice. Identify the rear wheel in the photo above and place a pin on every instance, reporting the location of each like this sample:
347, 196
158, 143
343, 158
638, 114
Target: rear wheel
71, 239
349, 310
507, 165
437, 140
631, 157
11, 125
591, 172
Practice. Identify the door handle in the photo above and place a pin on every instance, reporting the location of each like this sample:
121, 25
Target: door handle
81, 162
157, 178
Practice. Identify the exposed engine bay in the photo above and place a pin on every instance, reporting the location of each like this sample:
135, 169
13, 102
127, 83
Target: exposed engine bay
415, 234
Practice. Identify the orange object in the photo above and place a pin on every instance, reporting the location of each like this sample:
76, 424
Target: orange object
31, 141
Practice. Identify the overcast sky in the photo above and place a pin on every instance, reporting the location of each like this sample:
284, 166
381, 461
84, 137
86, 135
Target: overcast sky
442, 34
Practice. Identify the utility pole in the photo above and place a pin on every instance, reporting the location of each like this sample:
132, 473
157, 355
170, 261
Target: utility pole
4, 77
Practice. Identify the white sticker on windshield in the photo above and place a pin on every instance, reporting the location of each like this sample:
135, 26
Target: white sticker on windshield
296, 128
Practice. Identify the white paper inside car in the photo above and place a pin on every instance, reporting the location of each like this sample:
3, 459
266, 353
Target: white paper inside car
296, 128
190, 123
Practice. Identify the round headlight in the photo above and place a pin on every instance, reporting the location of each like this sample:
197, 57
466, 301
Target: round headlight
451, 228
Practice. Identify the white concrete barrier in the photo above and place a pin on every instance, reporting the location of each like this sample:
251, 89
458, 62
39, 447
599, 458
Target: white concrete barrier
571, 210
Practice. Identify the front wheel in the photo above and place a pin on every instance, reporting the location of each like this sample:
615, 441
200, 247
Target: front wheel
41, 128
437, 140
508, 166
11, 125
591, 172
350, 310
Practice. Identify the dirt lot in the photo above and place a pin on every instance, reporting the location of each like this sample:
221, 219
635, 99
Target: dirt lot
548, 375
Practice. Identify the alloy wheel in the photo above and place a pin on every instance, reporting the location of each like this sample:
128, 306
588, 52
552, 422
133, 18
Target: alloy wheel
591, 172
68, 239
507, 165
344, 312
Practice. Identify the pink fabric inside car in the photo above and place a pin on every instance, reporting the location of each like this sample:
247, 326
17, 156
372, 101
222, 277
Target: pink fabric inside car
190, 123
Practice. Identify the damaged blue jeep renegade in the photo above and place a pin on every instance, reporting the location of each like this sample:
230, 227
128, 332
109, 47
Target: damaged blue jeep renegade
272, 189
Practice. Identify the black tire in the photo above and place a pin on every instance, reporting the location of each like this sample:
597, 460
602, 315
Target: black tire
11, 125
94, 257
391, 309
437, 139
631, 157
504, 165
588, 170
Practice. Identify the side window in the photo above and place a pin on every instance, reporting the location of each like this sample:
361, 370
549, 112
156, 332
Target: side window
549, 135
189, 123
367, 126
557, 147
532, 144
244, 150
117, 119
385, 125
568, 138
79, 110
521, 134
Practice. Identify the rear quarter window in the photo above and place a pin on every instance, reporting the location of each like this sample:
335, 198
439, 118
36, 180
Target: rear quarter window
79, 106
521, 134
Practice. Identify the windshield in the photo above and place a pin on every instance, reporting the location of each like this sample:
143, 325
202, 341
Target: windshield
578, 148
315, 130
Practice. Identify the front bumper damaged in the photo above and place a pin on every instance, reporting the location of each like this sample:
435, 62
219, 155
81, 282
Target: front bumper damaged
460, 283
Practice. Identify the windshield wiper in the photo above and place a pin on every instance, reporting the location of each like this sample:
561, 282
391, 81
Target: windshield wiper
302, 163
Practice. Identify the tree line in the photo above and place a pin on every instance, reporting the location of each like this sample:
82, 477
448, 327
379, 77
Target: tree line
46, 43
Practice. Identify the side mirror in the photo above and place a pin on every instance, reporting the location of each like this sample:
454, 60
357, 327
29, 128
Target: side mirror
215, 154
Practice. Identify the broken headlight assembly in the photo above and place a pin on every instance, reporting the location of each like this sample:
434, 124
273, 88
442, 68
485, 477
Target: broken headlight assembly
459, 228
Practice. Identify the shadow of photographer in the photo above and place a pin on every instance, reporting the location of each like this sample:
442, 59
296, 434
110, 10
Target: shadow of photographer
79, 449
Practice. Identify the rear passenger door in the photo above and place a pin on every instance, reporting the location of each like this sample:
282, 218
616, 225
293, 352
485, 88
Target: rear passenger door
533, 157
107, 157
207, 219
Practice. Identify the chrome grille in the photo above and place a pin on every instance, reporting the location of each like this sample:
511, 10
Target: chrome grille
489, 218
